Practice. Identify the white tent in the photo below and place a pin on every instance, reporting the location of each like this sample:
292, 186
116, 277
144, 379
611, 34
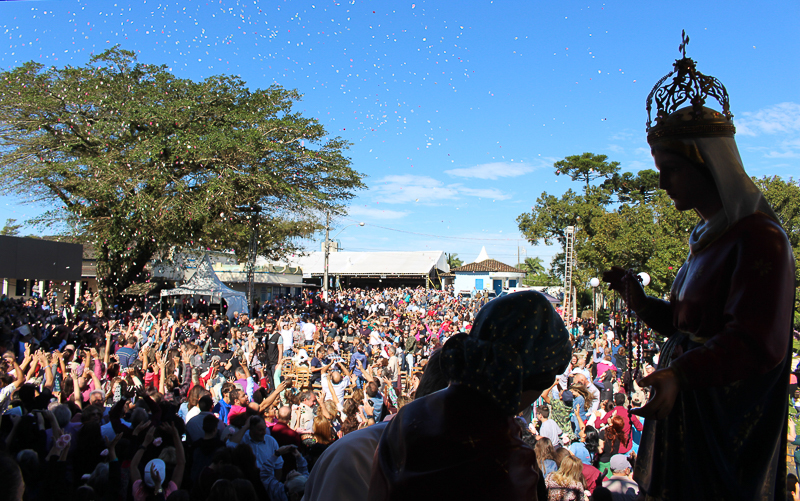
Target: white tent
204, 282
419, 263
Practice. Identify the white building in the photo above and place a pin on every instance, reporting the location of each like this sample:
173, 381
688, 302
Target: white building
486, 274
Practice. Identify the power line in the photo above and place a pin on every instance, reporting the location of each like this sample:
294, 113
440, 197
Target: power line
440, 236
349, 248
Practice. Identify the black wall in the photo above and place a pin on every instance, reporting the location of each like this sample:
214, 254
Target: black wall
39, 259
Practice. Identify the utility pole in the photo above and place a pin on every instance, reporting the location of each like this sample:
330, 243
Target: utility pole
253, 212
327, 254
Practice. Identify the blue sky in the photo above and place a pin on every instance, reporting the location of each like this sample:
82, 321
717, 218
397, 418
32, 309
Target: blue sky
456, 109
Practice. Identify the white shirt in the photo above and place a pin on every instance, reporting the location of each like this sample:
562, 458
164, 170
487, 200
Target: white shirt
337, 388
622, 488
343, 471
301, 357
308, 329
551, 430
192, 413
392, 369
5, 397
288, 338
596, 394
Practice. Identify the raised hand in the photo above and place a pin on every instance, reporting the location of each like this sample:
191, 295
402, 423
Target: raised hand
142, 426
111, 445
627, 283
149, 436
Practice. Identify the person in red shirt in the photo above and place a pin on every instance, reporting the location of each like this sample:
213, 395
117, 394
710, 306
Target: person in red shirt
281, 431
621, 411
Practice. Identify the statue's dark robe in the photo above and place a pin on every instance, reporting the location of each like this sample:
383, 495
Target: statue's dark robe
729, 327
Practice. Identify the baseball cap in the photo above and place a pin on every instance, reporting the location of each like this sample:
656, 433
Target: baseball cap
160, 466
619, 462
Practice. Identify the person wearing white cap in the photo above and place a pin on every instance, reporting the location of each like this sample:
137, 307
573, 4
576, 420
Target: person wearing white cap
620, 484
155, 470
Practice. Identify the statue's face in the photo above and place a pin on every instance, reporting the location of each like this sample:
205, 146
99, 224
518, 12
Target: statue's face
684, 182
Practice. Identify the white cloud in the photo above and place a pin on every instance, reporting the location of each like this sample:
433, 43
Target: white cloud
783, 154
780, 118
789, 148
425, 190
375, 213
626, 135
409, 188
636, 166
492, 170
492, 193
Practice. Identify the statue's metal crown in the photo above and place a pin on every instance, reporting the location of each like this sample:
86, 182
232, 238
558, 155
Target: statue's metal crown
688, 86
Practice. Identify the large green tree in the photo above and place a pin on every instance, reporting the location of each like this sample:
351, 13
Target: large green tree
784, 197
622, 219
625, 220
586, 167
137, 160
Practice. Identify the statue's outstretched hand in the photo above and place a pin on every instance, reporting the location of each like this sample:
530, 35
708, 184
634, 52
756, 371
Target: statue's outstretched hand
626, 283
665, 387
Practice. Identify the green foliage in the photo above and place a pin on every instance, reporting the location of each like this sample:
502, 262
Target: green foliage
541, 279
137, 160
625, 221
532, 265
11, 228
453, 261
631, 188
535, 272
784, 198
586, 167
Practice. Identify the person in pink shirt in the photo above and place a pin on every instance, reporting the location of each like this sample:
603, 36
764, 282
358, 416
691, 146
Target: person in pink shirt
621, 411
605, 364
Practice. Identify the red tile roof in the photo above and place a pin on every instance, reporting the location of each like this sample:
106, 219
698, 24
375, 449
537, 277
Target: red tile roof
487, 265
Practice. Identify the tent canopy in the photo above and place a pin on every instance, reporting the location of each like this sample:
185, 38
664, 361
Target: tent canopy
374, 263
205, 282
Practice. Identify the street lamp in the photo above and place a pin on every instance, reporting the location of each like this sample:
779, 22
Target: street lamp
253, 212
594, 282
328, 252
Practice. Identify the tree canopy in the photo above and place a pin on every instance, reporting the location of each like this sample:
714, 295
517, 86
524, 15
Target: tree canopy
535, 272
11, 228
586, 167
784, 198
137, 160
625, 220
622, 219
453, 261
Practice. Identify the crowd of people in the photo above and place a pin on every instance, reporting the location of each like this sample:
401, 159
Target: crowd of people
291, 399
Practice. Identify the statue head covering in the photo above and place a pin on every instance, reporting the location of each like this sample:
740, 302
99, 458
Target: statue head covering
705, 137
517, 343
